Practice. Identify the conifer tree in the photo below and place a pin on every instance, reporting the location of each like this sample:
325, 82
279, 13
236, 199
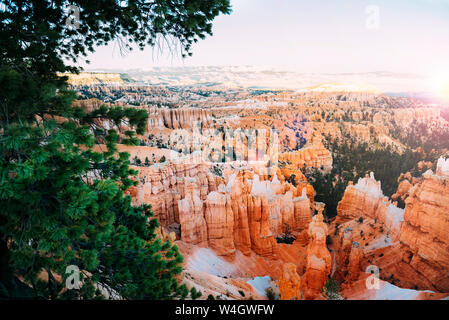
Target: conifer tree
61, 202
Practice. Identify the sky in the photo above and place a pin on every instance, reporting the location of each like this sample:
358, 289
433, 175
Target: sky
326, 36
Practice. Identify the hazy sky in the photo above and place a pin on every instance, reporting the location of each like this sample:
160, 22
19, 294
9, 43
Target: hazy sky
314, 36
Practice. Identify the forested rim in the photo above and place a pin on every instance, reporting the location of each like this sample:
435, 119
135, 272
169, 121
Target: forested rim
353, 160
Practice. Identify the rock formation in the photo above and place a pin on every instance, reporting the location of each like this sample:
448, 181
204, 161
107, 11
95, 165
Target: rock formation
354, 261
239, 190
191, 218
424, 233
348, 255
290, 283
182, 118
360, 199
366, 200
411, 245
403, 189
164, 235
163, 185
260, 211
220, 223
303, 214
90, 78
242, 213
319, 261
316, 156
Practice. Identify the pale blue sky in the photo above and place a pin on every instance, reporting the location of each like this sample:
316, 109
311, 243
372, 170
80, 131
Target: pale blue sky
313, 36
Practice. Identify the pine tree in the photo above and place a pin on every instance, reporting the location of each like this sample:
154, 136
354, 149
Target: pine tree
62, 203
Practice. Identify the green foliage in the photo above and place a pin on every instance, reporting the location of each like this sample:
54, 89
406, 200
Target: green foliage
287, 237
352, 161
425, 136
62, 202
269, 293
292, 180
330, 290
195, 294
216, 170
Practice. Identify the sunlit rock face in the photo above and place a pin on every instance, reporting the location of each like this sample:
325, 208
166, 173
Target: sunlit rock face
191, 218
238, 188
163, 184
315, 155
410, 246
95, 78
183, 118
290, 283
261, 210
360, 199
424, 234
220, 223
302, 212
367, 226
366, 200
403, 187
348, 247
354, 261
262, 239
319, 261
238, 211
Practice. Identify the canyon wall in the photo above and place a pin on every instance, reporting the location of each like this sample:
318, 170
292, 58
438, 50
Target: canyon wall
191, 218
424, 235
181, 118
162, 185
95, 78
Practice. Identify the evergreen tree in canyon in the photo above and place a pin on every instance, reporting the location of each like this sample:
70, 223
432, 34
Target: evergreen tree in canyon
62, 203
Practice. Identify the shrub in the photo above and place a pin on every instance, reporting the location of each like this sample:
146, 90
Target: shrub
330, 290
287, 237
269, 293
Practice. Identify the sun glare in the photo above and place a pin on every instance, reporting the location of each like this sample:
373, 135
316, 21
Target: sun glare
441, 84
